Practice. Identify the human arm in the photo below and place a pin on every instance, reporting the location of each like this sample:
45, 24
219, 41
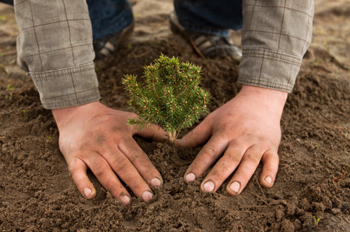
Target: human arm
54, 45
246, 130
55, 48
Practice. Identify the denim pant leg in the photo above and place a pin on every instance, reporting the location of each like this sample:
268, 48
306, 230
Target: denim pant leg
207, 16
7, 2
109, 16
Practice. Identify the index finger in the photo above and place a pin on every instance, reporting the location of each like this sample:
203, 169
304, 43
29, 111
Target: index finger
140, 161
206, 157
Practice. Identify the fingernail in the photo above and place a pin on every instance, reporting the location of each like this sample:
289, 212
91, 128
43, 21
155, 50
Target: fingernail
124, 199
209, 186
156, 182
235, 186
268, 180
190, 177
87, 192
146, 196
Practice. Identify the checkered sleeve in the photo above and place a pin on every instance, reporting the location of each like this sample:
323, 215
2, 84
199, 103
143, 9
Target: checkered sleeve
275, 37
54, 45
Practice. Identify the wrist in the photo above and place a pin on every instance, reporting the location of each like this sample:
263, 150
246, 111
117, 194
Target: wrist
65, 115
270, 98
265, 92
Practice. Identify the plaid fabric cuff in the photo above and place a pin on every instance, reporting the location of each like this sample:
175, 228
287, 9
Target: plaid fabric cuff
67, 87
269, 69
275, 37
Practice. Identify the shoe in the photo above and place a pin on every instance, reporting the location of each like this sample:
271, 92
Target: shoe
206, 45
107, 45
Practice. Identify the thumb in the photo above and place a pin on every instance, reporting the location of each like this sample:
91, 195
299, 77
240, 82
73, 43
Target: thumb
155, 133
199, 135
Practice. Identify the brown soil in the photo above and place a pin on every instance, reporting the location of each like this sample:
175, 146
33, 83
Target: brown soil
37, 193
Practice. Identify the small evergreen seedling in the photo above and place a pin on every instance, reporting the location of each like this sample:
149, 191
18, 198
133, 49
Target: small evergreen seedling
170, 96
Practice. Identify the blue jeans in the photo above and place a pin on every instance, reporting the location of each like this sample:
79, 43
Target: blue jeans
7, 1
109, 16
211, 17
206, 16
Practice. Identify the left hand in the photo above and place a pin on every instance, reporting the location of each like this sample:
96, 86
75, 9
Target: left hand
241, 133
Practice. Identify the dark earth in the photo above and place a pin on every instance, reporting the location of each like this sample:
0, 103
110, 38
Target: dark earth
312, 189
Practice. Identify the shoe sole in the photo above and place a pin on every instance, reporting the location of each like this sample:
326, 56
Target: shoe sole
110, 47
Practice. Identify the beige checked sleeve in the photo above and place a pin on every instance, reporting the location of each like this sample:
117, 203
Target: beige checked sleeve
275, 37
54, 45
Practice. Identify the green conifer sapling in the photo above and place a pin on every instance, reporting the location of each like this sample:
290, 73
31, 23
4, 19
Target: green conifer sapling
169, 97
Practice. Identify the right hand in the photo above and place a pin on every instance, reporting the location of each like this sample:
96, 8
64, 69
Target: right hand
96, 137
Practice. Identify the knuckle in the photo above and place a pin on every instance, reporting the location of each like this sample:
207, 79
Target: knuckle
219, 172
253, 157
209, 151
134, 154
73, 167
270, 169
138, 186
223, 135
98, 170
122, 165
115, 188
98, 173
270, 157
234, 158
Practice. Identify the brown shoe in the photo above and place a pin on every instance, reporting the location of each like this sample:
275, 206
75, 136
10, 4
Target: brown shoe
208, 45
107, 45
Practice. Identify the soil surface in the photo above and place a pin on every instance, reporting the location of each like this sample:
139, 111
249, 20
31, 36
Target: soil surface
37, 193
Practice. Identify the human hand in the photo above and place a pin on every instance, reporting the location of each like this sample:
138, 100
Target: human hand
96, 137
241, 133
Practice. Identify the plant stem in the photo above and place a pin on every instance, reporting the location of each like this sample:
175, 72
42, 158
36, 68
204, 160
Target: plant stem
154, 89
183, 91
171, 136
